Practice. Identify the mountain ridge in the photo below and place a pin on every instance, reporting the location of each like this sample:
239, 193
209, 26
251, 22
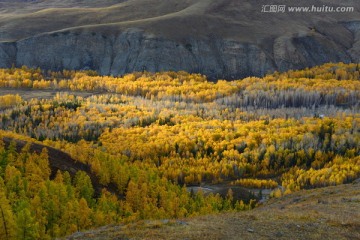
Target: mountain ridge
223, 39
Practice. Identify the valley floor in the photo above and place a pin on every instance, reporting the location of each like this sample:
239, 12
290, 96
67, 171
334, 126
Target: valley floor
134, 151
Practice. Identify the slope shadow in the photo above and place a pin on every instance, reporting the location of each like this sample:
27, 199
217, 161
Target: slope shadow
59, 160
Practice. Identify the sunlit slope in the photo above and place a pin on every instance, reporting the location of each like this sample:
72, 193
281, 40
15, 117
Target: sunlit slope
327, 213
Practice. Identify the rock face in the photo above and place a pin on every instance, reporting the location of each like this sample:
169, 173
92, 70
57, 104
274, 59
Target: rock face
134, 50
219, 56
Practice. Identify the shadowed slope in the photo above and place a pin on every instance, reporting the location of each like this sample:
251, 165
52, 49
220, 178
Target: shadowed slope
242, 20
223, 39
62, 161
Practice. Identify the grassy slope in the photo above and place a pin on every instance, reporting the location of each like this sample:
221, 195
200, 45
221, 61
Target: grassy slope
326, 213
235, 19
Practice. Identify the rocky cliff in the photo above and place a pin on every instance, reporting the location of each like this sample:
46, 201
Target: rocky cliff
220, 40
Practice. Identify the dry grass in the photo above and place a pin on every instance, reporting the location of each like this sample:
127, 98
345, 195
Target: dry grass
327, 213
172, 18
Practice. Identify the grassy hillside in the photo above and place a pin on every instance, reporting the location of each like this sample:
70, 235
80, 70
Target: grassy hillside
229, 19
326, 213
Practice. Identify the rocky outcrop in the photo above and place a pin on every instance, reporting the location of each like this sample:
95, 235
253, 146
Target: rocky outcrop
354, 51
7, 54
306, 51
135, 50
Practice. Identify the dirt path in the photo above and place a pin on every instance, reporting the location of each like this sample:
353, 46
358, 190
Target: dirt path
59, 160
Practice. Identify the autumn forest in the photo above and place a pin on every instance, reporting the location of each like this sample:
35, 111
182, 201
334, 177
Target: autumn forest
138, 142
